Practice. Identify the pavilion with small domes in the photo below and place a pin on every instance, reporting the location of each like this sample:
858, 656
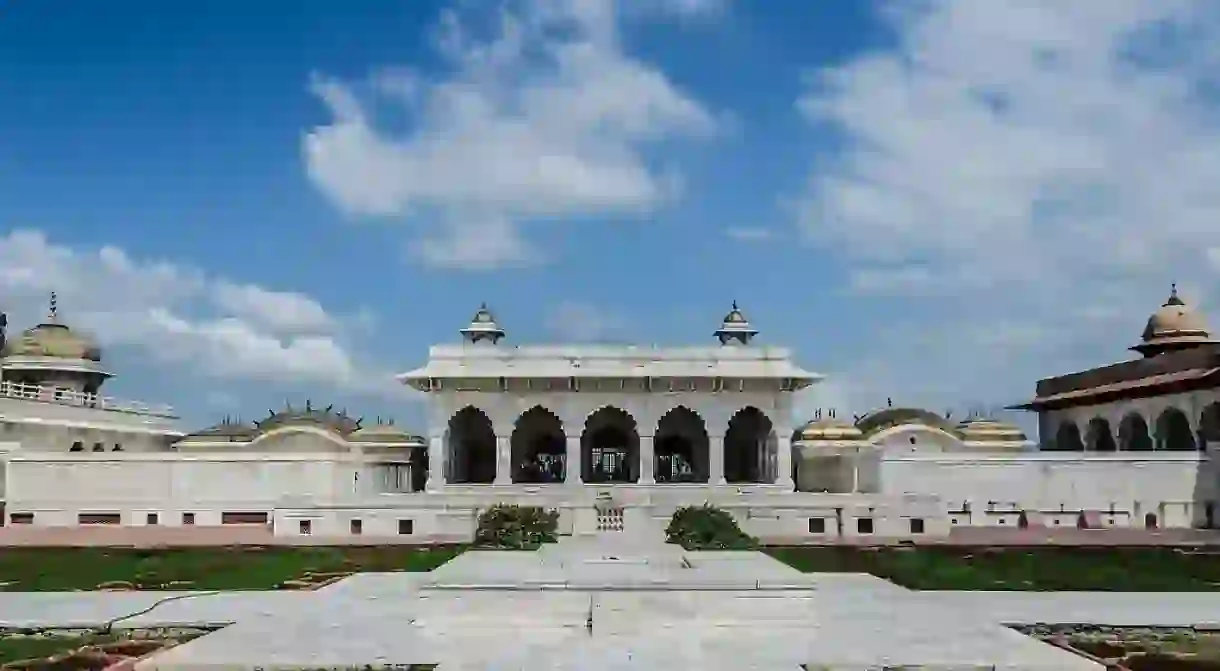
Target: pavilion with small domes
616, 438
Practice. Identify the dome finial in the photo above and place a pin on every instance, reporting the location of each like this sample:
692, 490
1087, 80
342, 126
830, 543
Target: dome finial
53, 311
483, 327
1173, 296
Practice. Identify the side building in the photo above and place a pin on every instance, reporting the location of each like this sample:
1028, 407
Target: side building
615, 438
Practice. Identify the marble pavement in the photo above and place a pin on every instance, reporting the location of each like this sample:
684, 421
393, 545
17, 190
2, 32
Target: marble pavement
600, 604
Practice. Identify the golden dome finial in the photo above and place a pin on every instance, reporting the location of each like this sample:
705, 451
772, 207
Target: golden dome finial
53, 311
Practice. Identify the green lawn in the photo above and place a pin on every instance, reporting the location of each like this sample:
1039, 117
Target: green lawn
56, 569
16, 648
1034, 569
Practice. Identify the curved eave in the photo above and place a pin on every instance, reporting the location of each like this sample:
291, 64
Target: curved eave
419, 378
23, 362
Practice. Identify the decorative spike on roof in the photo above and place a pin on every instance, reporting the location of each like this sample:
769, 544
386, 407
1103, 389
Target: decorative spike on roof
340, 421
483, 327
735, 328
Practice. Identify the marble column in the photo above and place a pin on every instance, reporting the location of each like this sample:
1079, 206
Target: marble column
572, 461
716, 459
647, 461
504, 465
783, 462
437, 456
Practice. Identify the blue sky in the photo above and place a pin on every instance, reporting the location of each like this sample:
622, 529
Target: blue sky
936, 202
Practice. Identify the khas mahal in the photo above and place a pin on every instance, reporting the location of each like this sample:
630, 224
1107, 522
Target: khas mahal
616, 438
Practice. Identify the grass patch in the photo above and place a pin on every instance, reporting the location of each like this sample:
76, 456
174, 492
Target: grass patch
13, 648
1108, 569
213, 568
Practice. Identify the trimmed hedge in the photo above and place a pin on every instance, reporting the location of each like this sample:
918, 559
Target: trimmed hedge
512, 527
707, 528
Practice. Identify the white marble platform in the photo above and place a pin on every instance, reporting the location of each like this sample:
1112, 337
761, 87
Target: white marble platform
570, 607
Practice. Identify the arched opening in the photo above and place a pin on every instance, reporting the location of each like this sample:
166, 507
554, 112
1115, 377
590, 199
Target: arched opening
681, 446
1173, 431
1099, 437
610, 447
747, 446
1150, 521
1133, 434
471, 443
539, 447
1209, 426
1067, 438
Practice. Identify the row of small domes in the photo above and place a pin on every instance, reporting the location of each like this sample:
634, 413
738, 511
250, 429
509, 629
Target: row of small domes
976, 430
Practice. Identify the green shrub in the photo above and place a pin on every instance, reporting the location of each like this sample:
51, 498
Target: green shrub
514, 527
707, 528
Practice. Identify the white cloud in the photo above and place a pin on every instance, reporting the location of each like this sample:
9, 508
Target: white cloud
177, 315
1037, 171
548, 118
278, 311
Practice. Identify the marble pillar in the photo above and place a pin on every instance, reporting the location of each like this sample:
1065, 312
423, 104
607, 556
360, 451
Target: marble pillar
504, 464
716, 461
572, 461
437, 456
783, 462
648, 461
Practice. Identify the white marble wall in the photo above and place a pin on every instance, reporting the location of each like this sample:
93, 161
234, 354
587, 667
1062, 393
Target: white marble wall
573, 409
1192, 404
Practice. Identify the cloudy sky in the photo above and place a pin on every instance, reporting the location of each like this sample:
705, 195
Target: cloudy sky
936, 202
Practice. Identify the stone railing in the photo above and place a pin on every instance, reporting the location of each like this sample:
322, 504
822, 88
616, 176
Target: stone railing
59, 396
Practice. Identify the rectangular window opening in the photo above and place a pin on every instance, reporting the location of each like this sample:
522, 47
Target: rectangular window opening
355, 527
188, 519
99, 518
21, 518
152, 519
406, 527
864, 525
305, 527
243, 518
917, 525
817, 525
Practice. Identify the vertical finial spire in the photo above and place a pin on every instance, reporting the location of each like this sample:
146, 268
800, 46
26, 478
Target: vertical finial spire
1173, 299
53, 311
734, 305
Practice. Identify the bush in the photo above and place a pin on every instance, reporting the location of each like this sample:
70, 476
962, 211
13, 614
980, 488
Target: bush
707, 528
508, 527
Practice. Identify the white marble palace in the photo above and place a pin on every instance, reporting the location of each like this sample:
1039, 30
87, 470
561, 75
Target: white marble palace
616, 438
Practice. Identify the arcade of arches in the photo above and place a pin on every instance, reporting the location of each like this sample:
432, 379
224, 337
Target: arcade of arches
613, 448
1170, 432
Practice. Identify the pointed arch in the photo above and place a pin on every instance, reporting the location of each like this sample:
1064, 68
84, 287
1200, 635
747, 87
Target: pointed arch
1173, 431
470, 439
1209, 425
539, 446
749, 442
1099, 437
1067, 437
681, 447
610, 446
1133, 435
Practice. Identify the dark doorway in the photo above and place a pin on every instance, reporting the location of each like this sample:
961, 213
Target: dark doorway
610, 446
747, 444
681, 447
1133, 435
471, 443
1173, 432
539, 447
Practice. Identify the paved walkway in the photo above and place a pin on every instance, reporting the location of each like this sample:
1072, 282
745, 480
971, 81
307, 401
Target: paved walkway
588, 604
